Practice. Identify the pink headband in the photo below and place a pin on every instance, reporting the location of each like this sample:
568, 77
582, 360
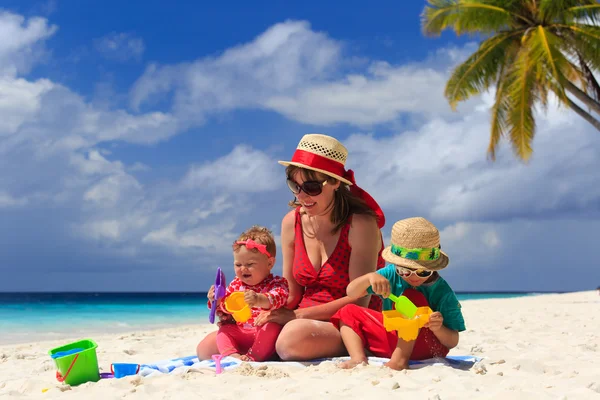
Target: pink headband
251, 244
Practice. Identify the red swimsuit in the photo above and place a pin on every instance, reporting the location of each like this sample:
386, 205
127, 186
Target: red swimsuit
330, 282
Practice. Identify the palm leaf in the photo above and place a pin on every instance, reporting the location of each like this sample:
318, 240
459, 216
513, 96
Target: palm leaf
467, 17
590, 12
559, 10
522, 97
500, 111
480, 70
551, 64
583, 40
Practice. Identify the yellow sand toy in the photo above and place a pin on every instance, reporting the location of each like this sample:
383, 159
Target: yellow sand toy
235, 304
407, 318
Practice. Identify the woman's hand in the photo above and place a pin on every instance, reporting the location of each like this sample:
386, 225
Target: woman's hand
280, 316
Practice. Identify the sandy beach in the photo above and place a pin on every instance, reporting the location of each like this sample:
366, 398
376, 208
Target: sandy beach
545, 346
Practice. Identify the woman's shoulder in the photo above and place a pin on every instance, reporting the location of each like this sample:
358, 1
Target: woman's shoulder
363, 223
289, 219
288, 226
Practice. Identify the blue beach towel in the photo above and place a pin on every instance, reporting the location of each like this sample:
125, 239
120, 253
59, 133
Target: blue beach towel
183, 364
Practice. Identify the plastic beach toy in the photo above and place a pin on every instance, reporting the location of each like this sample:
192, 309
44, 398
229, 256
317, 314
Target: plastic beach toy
406, 319
121, 370
76, 362
217, 359
404, 306
235, 304
219, 294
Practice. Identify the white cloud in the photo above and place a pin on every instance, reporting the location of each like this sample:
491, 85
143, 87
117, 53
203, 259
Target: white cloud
244, 169
121, 46
281, 59
441, 170
7, 200
212, 238
379, 96
466, 242
21, 44
19, 101
295, 71
103, 229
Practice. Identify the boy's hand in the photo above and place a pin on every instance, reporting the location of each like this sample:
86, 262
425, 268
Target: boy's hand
211, 294
251, 297
379, 284
436, 321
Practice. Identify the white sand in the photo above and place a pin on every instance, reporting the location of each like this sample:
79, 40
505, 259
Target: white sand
543, 347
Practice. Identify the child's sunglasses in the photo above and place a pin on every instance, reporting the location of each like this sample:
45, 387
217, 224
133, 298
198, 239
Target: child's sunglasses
406, 272
311, 188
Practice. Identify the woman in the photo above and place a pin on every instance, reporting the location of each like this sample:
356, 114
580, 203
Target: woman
330, 238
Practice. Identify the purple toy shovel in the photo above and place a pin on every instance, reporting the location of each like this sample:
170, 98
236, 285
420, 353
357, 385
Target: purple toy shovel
219, 294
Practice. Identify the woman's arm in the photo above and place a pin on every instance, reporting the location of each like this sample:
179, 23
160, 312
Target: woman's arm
365, 240
287, 252
323, 312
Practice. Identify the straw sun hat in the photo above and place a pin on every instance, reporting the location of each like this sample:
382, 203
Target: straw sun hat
415, 244
325, 154
321, 153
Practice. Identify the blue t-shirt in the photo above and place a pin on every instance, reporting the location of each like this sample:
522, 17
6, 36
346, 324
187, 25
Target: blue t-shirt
439, 295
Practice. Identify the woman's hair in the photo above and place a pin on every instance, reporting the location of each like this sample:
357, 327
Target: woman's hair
345, 203
260, 235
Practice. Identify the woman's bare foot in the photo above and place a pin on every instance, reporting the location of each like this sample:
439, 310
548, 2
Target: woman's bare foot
246, 357
396, 365
236, 355
351, 363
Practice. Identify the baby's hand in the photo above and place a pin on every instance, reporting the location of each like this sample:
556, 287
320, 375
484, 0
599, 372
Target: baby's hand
436, 321
251, 297
211, 294
379, 284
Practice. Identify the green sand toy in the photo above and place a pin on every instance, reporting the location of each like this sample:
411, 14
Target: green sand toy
76, 362
404, 306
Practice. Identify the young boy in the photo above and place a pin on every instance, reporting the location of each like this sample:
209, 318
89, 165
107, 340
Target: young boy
414, 257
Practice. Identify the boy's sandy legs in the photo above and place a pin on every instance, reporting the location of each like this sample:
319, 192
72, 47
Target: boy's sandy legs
401, 355
354, 346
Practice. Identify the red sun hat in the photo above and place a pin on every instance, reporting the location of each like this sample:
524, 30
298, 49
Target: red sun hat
325, 154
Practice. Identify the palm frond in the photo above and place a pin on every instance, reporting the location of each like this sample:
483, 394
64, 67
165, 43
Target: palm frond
480, 70
464, 16
500, 111
588, 12
522, 97
550, 64
583, 40
558, 10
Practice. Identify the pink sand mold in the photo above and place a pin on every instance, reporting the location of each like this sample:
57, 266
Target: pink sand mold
217, 359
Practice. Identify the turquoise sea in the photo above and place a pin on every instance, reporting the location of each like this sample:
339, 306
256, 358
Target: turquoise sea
28, 317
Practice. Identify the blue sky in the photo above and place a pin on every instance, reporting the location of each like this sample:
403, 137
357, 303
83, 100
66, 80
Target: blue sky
137, 141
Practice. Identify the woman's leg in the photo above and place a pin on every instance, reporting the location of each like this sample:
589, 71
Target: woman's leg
207, 347
307, 339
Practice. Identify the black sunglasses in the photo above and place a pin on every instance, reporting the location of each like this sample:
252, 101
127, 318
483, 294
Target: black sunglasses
311, 188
